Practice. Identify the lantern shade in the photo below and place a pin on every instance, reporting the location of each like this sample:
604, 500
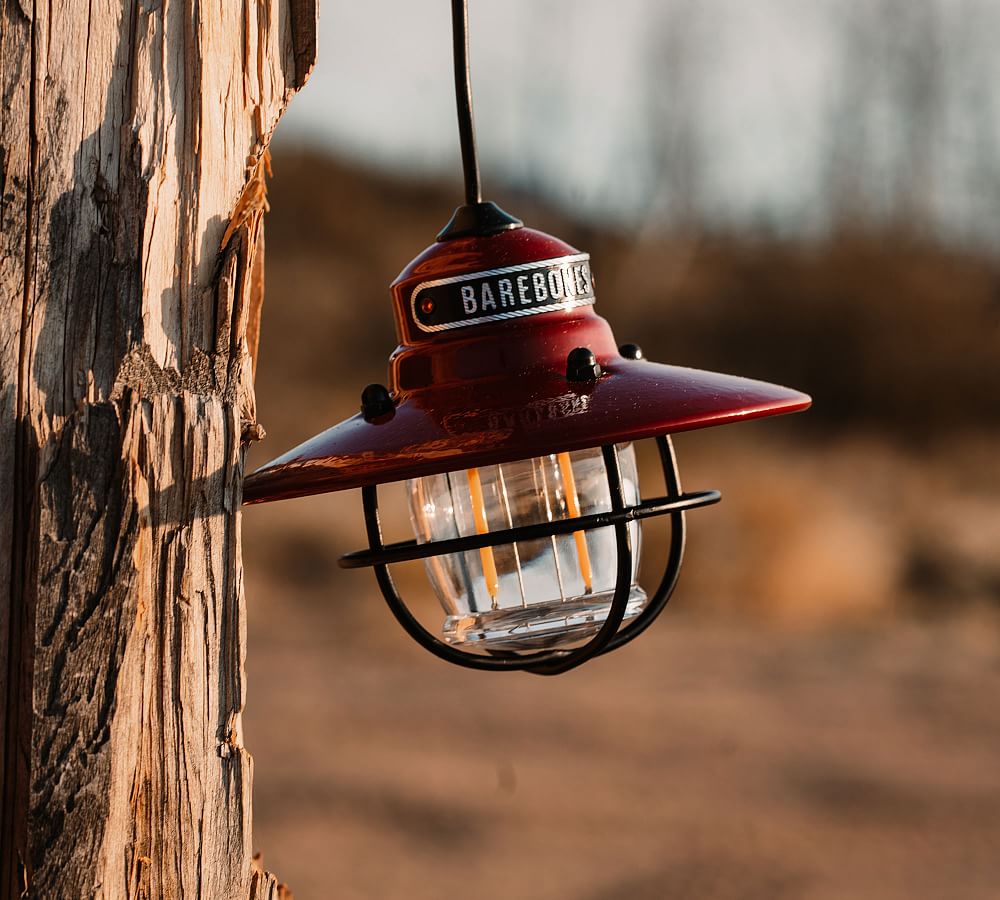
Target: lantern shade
467, 425
495, 389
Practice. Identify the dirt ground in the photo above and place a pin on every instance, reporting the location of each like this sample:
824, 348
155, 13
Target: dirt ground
708, 760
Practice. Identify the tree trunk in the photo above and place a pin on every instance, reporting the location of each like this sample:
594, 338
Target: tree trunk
132, 141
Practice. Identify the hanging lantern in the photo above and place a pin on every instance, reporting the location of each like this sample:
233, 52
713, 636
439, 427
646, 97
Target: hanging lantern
511, 414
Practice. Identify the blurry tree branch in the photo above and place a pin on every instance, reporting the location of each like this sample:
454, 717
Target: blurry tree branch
674, 105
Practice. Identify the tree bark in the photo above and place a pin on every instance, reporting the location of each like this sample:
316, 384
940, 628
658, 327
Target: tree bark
133, 137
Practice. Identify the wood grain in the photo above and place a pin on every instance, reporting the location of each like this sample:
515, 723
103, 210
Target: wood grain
130, 135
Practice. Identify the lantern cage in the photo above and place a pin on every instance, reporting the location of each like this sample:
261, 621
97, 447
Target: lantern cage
608, 635
502, 362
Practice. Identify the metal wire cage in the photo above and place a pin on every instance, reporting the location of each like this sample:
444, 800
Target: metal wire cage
611, 635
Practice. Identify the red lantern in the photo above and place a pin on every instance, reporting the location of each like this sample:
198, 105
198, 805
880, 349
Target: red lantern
510, 413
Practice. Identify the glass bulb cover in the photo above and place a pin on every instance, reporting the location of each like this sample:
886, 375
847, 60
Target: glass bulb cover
545, 593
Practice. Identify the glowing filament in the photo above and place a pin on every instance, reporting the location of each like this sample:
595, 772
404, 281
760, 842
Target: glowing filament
479, 515
573, 506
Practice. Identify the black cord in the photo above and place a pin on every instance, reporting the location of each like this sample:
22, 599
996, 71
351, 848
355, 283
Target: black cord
475, 218
463, 101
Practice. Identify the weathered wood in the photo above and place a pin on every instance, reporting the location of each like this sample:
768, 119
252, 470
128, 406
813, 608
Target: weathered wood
131, 136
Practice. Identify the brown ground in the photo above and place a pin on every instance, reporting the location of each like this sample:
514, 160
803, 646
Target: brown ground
818, 715
707, 760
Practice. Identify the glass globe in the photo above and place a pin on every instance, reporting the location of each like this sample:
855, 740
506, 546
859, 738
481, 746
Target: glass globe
546, 593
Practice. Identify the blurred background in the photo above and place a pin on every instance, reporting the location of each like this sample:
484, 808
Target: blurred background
807, 193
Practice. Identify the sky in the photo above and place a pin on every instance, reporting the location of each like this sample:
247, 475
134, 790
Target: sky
568, 94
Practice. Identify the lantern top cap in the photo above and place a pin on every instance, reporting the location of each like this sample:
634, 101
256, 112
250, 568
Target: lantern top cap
502, 357
478, 220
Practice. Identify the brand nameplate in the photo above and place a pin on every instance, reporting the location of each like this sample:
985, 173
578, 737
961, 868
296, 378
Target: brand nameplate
498, 295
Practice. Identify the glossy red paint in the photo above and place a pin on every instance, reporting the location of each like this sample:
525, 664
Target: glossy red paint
498, 392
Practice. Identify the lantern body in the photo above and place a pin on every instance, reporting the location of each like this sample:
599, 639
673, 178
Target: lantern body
532, 594
504, 384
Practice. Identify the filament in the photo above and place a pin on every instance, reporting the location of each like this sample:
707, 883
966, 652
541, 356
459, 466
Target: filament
573, 506
486, 553
510, 523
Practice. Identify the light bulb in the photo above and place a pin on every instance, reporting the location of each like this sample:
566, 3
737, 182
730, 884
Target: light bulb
531, 594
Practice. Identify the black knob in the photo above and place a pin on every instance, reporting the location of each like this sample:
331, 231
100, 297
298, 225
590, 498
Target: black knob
631, 351
376, 401
582, 365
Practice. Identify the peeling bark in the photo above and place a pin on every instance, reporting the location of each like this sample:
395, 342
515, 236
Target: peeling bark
132, 141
